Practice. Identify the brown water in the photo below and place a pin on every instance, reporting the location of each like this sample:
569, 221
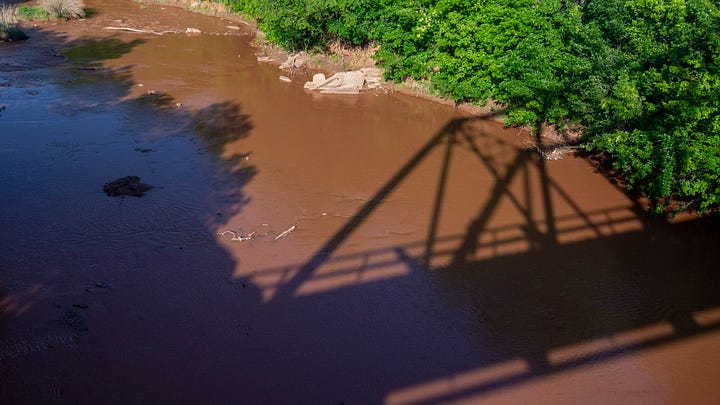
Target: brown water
433, 259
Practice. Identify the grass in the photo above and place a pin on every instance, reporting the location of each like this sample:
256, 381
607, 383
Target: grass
64, 9
32, 13
9, 28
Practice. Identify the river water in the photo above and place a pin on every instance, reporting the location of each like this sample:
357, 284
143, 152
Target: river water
307, 248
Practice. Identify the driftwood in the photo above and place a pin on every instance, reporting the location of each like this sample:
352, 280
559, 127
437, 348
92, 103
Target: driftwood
140, 31
285, 232
237, 237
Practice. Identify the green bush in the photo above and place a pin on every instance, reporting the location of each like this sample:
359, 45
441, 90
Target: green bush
32, 13
655, 107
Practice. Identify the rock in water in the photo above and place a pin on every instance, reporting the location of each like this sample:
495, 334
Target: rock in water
339, 83
318, 79
354, 80
129, 185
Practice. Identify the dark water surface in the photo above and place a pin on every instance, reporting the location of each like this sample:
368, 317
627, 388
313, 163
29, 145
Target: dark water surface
393, 250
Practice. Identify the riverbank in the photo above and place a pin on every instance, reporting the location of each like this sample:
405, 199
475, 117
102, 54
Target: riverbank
553, 143
551, 63
339, 58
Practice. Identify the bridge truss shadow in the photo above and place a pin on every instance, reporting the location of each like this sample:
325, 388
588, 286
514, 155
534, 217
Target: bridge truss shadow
569, 284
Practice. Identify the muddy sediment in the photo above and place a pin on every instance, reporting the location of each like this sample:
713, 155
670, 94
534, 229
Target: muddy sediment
315, 248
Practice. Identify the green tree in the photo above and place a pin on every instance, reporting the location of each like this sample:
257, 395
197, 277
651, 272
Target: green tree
653, 104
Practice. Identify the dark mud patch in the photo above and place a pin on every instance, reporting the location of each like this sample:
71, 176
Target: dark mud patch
126, 186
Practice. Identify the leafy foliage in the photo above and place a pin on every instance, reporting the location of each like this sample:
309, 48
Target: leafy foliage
658, 118
303, 24
641, 76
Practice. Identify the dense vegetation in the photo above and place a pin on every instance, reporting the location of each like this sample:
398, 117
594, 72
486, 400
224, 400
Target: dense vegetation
640, 77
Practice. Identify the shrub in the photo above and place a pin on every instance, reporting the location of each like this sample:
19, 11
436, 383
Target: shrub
64, 9
9, 29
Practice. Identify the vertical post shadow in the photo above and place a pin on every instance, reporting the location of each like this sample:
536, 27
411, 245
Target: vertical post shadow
287, 290
439, 197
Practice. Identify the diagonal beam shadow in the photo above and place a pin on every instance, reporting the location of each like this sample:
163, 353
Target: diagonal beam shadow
287, 289
476, 227
546, 181
499, 191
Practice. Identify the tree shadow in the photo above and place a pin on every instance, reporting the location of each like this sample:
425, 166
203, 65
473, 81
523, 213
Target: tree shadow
90, 51
74, 129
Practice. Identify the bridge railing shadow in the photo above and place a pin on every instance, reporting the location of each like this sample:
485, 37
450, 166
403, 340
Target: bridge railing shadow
481, 240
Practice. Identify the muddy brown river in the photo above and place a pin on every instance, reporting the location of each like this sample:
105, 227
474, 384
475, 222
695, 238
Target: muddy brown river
316, 249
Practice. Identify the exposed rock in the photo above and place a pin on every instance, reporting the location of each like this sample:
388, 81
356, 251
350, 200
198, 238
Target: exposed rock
295, 61
318, 78
285, 79
193, 31
129, 185
373, 77
346, 82
300, 61
354, 79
